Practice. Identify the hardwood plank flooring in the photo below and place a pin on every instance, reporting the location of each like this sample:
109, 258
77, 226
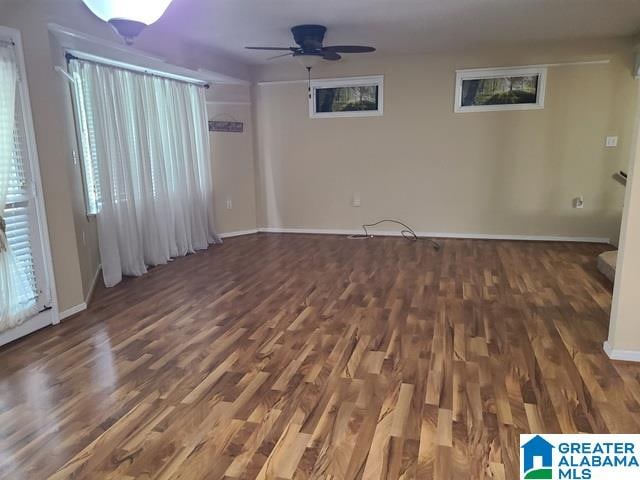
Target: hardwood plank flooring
317, 357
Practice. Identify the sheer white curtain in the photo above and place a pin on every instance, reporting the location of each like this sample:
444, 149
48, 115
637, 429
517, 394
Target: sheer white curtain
148, 141
17, 301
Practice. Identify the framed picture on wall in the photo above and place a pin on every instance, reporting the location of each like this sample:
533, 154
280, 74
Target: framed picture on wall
484, 90
347, 97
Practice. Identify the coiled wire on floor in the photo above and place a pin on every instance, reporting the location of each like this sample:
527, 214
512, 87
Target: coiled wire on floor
407, 233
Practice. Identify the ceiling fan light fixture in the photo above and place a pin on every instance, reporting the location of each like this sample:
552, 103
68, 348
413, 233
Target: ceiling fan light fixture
310, 49
128, 17
308, 60
127, 29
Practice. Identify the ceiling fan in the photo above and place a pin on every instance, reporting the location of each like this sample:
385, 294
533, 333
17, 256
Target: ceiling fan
310, 49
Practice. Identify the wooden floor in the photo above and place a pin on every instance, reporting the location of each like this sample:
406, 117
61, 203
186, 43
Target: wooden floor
301, 356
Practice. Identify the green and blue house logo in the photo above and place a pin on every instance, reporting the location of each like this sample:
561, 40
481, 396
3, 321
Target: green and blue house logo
537, 459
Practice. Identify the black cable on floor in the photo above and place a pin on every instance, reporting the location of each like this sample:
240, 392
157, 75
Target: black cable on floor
407, 233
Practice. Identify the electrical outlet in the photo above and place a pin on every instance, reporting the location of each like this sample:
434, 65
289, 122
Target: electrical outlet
355, 200
578, 202
229, 204
611, 142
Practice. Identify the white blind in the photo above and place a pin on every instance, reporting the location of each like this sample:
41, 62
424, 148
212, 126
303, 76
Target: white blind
18, 213
86, 131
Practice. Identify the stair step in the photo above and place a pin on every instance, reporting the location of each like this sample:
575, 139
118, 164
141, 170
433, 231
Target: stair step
607, 264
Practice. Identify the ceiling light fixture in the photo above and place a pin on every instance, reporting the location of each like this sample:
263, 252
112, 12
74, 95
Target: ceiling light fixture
128, 17
308, 60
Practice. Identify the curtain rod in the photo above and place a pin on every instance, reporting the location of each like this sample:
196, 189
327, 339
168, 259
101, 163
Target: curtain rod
141, 70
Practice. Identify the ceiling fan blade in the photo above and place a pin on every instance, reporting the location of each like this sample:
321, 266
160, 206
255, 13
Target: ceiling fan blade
280, 56
331, 56
291, 49
349, 49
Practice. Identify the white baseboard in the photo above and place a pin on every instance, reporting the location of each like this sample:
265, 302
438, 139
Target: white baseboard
73, 310
238, 233
477, 236
624, 355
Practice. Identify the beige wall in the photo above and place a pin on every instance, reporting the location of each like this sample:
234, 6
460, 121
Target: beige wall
508, 173
233, 167
73, 235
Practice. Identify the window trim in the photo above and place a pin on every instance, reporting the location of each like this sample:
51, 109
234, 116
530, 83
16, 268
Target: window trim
50, 315
479, 73
377, 80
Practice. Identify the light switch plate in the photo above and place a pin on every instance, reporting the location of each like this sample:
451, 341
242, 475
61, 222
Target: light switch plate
611, 142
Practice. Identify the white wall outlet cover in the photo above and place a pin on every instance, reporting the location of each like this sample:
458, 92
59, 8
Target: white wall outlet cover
611, 142
578, 202
229, 204
355, 201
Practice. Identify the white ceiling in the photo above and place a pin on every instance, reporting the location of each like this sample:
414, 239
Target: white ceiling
396, 26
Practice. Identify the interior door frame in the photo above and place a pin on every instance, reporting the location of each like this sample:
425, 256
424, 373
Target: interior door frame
49, 315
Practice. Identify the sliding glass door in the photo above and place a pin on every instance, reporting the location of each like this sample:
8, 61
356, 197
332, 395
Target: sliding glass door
25, 283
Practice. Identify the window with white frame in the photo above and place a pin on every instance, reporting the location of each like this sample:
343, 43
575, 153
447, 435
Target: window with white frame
495, 89
347, 97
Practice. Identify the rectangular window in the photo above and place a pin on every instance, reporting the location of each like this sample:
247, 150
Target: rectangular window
485, 90
347, 97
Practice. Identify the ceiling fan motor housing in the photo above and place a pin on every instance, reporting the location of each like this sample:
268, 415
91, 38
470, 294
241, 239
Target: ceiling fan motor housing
309, 37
